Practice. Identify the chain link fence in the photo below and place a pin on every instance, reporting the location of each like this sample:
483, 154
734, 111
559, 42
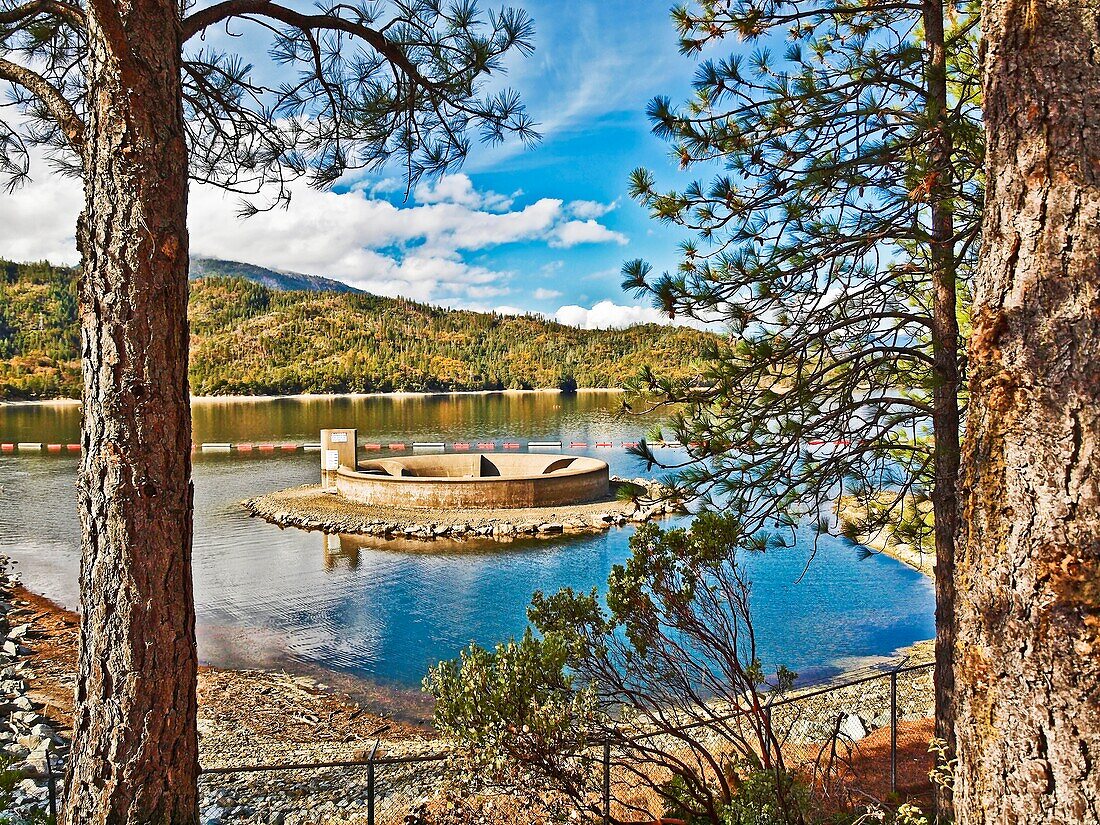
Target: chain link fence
866, 739
860, 740
380, 790
852, 743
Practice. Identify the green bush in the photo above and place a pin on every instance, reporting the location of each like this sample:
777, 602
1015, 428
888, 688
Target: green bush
763, 797
769, 798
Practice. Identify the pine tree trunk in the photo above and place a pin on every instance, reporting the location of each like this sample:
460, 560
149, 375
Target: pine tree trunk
135, 750
1028, 658
945, 357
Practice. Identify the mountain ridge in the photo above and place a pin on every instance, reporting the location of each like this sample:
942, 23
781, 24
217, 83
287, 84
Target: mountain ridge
251, 339
284, 281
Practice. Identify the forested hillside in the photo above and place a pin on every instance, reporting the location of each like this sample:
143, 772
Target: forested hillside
39, 337
250, 340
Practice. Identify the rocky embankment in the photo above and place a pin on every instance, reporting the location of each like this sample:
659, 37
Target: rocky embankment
849, 509
309, 508
33, 753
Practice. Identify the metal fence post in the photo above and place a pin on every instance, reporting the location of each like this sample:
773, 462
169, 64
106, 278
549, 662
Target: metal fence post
607, 782
769, 737
370, 783
370, 792
51, 788
893, 731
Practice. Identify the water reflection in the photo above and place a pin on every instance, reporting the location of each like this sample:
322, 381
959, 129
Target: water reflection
341, 551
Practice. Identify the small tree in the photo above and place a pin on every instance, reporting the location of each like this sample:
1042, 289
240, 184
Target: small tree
667, 675
832, 244
127, 96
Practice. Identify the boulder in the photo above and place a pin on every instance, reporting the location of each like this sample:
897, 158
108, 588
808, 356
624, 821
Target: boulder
853, 727
16, 751
30, 741
43, 731
32, 790
36, 759
17, 633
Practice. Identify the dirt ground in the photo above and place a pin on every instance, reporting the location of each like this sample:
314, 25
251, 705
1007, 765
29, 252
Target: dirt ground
862, 769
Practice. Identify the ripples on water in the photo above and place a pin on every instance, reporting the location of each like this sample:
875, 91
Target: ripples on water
267, 596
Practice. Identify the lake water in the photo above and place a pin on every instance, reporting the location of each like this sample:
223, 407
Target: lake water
268, 597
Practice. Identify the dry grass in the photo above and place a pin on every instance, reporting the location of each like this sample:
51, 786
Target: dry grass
855, 774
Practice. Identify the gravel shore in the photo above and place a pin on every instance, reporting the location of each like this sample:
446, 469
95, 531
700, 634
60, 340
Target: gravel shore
246, 717
32, 748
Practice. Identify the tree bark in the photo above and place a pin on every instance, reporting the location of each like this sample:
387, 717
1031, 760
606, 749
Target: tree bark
135, 749
1028, 660
945, 367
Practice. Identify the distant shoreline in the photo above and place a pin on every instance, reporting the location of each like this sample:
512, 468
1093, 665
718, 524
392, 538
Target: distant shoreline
42, 402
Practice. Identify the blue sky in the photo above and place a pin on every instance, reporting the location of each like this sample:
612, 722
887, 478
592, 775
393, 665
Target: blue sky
543, 229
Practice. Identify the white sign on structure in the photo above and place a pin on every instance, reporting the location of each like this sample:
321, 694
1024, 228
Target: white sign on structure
332, 459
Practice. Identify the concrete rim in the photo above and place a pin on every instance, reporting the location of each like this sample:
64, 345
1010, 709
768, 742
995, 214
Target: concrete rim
500, 480
542, 463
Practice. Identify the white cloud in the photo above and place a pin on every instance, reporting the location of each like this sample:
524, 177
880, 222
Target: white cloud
416, 251
607, 315
323, 232
542, 294
426, 278
391, 249
572, 233
459, 189
591, 209
38, 221
382, 187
